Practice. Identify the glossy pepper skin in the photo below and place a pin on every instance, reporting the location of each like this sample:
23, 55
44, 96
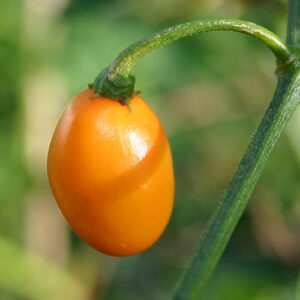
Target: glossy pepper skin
111, 173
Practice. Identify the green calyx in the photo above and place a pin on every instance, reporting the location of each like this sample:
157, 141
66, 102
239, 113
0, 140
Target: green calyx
114, 86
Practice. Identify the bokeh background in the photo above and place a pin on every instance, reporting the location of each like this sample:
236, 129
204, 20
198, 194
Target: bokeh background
209, 91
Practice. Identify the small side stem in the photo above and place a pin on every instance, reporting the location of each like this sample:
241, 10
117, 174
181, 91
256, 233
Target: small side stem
117, 82
126, 60
292, 20
293, 27
220, 228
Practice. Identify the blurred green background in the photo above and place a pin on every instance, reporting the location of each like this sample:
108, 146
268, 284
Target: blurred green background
209, 91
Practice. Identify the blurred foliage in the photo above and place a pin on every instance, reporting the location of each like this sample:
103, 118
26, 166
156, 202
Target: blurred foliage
209, 91
12, 173
46, 281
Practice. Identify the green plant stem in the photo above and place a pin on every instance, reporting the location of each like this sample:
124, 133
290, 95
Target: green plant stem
293, 27
117, 82
220, 228
126, 60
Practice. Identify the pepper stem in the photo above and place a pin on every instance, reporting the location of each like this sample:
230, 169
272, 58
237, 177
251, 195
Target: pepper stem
117, 82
